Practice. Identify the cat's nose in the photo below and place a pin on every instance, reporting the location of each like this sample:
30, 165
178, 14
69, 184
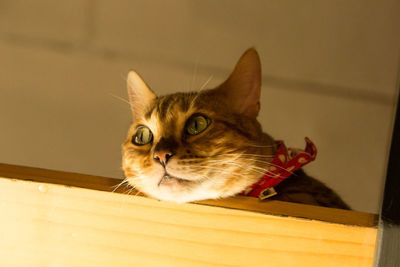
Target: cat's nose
163, 156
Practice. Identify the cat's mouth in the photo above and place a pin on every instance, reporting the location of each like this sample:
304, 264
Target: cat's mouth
169, 179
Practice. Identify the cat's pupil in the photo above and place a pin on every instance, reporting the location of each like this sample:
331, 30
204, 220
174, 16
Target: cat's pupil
197, 124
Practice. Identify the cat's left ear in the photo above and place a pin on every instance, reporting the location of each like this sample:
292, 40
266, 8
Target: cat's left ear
140, 95
243, 87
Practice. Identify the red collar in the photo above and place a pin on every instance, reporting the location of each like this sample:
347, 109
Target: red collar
285, 162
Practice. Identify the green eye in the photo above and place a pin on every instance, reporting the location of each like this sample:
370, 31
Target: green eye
197, 124
142, 136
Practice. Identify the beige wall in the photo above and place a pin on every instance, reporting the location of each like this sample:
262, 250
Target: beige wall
330, 70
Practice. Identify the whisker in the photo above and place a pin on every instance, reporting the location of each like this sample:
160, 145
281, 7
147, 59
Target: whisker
255, 155
236, 154
120, 98
135, 178
230, 156
126, 181
130, 191
205, 84
118, 185
230, 161
247, 167
222, 170
194, 100
271, 164
252, 145
196, 65
200, 91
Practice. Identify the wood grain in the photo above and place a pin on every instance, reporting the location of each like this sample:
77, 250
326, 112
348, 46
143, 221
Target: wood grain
240, 202
46, 224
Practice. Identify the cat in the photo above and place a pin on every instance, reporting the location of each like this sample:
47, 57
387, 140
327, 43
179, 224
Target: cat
192, 146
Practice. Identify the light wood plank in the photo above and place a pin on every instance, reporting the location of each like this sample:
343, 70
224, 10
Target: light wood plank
54, 225
239, 202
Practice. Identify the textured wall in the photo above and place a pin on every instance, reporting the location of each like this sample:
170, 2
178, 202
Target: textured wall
329, 72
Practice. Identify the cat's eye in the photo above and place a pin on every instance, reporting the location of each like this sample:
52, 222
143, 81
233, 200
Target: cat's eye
142, 136
196, 124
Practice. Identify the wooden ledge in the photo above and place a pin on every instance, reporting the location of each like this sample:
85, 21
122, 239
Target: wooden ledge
272, 207
52, 218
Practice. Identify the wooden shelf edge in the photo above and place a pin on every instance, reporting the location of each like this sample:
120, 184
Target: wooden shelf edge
272, 207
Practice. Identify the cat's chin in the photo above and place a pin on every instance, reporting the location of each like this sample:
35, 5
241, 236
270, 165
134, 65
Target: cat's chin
171, 183
179, 190
174, 185
181, 197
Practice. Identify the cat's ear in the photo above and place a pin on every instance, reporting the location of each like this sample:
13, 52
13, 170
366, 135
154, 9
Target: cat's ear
140, 95
243, 87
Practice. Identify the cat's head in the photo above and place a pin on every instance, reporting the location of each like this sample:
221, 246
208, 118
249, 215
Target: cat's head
197, 145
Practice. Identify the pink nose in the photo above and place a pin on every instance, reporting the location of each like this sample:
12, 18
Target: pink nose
162, 156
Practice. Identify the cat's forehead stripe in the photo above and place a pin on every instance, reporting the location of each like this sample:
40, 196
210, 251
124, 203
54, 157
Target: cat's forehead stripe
150, 110
165, 105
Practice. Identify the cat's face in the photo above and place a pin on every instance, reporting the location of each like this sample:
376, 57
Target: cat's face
199, 145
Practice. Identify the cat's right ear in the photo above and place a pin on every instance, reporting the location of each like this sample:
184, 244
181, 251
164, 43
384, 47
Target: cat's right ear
242, 89
140, 95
